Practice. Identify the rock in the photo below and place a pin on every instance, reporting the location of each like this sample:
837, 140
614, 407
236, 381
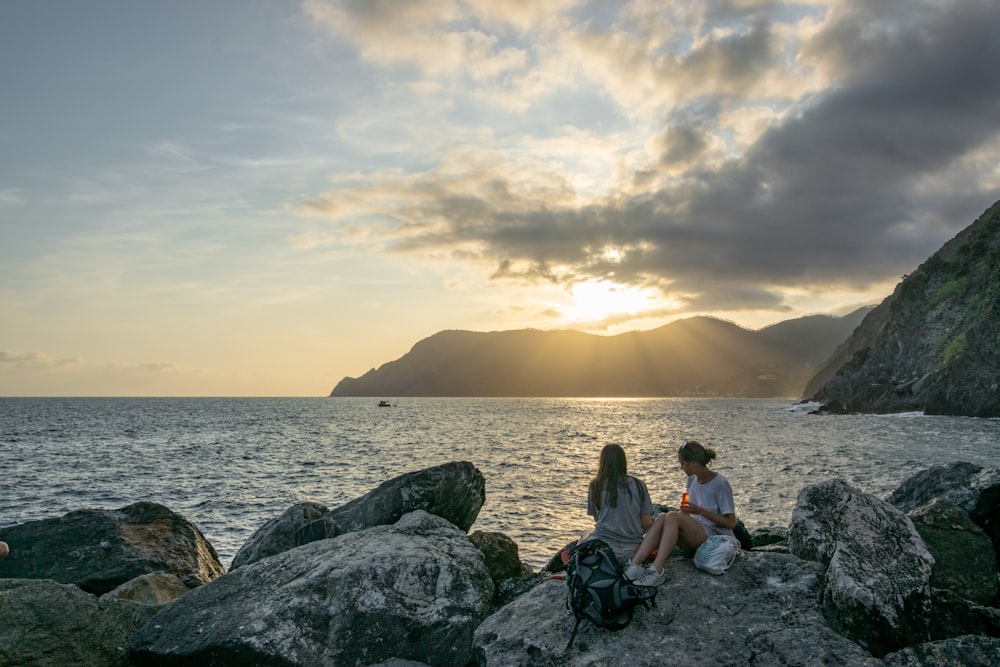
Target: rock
952, 482
47, 624
965, 651
415, 590
278, 534
156, 589
511, 589
98, 550
501, 553
454, 491
954, 616
973, 488
876, 587
511, 577
964, 560
762, 611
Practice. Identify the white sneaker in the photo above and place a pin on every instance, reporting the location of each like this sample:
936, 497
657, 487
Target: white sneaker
651, 578
633, 571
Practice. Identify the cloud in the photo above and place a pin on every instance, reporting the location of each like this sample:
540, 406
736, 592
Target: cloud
39, 373
35, 360
44, 361
10, 197
433, 35
785, 146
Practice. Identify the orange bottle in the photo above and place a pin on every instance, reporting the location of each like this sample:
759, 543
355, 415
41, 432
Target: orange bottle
684, 499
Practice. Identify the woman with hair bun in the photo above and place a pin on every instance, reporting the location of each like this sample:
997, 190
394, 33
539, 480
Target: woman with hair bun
709, 511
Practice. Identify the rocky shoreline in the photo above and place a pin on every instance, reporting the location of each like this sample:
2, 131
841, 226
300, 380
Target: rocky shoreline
394, 578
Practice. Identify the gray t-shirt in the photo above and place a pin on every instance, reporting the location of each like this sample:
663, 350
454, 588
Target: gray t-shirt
621, 526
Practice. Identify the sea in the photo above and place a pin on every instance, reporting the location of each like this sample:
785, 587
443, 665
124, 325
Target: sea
230, 464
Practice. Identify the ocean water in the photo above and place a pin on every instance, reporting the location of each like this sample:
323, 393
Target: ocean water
231, 464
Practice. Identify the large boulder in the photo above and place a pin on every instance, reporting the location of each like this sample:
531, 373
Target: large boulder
964, 560
98, 550
454, 491
973, 488
415, 590
876, 588
47, 624
762, 611
278, 534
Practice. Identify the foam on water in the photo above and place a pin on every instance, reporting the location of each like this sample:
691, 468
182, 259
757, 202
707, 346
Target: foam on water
229, 465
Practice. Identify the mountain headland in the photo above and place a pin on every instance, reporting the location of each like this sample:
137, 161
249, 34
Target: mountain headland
698, 356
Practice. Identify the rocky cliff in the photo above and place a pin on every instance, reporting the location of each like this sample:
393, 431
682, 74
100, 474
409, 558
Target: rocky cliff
699, 356
934, 343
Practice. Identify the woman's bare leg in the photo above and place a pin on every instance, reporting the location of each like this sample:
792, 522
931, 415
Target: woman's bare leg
650, 540
677, 527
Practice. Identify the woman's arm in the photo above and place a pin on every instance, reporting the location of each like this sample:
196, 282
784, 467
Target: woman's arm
722, 520
646, 521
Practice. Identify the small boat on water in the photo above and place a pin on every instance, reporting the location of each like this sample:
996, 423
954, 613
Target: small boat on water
384, 404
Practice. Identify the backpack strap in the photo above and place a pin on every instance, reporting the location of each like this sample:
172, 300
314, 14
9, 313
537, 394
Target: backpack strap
576, 627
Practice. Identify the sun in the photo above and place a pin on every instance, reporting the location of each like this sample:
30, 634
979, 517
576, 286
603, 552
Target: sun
597, 300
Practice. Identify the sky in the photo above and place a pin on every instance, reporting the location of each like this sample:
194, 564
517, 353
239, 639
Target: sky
261, 197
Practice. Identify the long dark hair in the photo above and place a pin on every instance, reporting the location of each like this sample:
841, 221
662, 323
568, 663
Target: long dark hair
612, 474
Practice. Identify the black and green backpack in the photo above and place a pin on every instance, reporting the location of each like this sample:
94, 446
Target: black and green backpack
599, 591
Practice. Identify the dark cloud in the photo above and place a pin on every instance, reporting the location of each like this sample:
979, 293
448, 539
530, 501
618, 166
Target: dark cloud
827, 196
736, 60
835, 195
682, 144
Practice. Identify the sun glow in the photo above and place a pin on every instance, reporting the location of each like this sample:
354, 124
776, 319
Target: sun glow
598, 300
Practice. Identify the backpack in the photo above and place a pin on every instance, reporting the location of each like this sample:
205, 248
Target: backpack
599, 591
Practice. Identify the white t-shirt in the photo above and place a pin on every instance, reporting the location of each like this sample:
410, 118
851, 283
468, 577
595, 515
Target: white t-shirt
715, 496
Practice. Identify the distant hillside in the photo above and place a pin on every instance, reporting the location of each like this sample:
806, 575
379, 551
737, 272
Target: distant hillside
700, 356
934, 343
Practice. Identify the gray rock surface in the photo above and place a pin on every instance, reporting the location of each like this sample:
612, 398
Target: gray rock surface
876, 585
47, 624
100, 549
454, 491
278, 534
415, 590
762, 611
